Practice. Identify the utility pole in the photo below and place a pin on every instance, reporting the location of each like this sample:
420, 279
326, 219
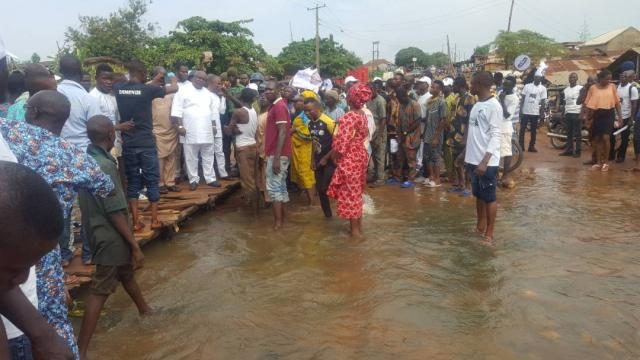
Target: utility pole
316, 8
290, 31
510, 15
375, 51
448, 50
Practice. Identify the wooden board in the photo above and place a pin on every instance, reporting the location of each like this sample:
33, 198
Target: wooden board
173, 208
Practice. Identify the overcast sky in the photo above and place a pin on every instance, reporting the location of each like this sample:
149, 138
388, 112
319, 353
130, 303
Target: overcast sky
36, 25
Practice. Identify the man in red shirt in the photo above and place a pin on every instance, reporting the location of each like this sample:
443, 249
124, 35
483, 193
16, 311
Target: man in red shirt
277, 148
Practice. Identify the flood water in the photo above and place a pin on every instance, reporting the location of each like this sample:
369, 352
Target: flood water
562, 283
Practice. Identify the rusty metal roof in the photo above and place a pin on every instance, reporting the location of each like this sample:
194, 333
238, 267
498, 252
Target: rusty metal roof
559, 70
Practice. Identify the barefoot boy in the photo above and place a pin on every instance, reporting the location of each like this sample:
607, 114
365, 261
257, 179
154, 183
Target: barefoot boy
115, 250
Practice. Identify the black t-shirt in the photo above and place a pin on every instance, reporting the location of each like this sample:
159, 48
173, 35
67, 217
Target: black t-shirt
134, 103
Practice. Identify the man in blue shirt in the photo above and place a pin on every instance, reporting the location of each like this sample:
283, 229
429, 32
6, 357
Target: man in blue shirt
83, 105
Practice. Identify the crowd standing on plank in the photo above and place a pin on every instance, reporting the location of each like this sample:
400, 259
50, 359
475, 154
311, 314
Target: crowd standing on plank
98, 151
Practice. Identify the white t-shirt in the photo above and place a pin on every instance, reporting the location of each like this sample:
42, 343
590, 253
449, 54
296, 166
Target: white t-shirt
29, 287
625, 99
533, 96
484, 132
511, 104
220, 103
109, 108
571, 95
196, 108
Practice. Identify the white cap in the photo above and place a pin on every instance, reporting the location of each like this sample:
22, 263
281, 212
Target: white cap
447, 81
377, 78
350, 79
253, 86
425, 79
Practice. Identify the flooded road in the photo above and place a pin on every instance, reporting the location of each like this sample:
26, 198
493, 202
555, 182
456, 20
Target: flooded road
562, 283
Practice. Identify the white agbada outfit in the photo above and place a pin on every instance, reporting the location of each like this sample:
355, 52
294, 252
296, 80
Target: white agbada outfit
220, 103
196, 108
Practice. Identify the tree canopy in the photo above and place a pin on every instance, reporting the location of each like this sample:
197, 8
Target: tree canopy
511, 44
405, 56
482, 50
229, 42
335, 60
35, 58
122, 34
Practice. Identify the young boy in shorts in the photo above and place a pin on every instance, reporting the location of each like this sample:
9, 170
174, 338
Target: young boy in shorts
115, 250
483, 152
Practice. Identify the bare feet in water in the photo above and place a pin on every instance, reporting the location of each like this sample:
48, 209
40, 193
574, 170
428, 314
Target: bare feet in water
156, 225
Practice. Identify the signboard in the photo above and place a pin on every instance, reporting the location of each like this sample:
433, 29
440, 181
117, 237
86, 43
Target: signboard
522, 62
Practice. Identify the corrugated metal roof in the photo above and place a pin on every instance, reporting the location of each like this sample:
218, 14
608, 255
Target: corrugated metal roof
606, 37
558, 71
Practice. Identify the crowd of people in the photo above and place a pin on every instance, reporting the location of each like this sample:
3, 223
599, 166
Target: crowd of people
65, 147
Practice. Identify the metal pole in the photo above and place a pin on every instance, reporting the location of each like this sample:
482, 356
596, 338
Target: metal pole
510, 15
316, 8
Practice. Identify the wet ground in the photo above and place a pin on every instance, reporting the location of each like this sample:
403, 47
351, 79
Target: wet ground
562, 282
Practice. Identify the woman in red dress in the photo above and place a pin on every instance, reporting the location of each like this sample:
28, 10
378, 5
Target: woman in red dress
351, 158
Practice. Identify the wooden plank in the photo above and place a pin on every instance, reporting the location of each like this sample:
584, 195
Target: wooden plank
173, 209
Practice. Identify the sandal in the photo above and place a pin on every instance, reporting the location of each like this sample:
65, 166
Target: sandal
595, 167
605, 168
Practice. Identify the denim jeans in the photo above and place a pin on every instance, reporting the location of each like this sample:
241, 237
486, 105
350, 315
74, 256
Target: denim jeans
20, 348
142, 169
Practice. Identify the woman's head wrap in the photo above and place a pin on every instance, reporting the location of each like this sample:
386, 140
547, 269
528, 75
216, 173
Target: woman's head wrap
358, 95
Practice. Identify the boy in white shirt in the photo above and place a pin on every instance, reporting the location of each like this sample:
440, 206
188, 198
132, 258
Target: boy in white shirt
509, 102
483, 152
532, 108
571, 111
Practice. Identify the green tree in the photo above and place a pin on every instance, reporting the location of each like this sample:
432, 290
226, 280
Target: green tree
230, 42
511, 44
122, 34
35, 58
405, 56
437, 59
482, 50
335, 60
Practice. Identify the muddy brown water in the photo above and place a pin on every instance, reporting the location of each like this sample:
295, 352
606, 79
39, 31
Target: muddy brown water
562, 283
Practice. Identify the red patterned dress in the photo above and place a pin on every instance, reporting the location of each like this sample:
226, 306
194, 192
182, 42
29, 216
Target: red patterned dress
350, 177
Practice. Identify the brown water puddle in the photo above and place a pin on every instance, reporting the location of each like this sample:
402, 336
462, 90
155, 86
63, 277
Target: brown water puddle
561, 284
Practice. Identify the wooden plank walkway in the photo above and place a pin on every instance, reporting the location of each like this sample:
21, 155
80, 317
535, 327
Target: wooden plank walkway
173, 208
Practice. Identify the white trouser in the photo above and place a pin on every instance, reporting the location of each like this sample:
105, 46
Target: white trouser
217, 146
419, 156
206, 152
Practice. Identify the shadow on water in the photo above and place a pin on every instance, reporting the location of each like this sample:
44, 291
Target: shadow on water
562, 282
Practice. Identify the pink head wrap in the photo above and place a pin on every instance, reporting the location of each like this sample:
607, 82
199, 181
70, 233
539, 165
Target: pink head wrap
358, 95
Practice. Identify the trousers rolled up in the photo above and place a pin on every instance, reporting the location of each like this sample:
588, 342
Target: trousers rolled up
247, 158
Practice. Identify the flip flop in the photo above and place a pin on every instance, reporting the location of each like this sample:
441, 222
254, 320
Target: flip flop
605, 168
407, 185
466, 193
